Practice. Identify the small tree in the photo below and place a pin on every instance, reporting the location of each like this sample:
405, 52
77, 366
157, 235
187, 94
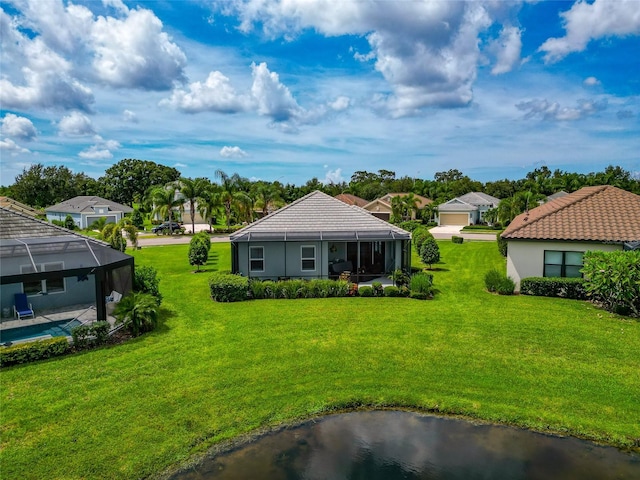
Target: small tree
430, 252
198, 252
136, 219
146, 280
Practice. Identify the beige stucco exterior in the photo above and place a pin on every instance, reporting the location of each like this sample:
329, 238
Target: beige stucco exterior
525, 258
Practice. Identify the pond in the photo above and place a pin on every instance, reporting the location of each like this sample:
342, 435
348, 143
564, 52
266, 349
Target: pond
390, 445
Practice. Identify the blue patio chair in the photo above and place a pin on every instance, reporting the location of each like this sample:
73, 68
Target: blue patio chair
22, 307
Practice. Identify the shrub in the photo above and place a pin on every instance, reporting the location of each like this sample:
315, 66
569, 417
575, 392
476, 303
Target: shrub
457, 239
257, 289
293, 288
137, 219
613, 279
32, 351
502, 244
204, 238
419, 295
69, 224
400, 278
377, 289
506, 286
227, 287
392, 291
421, 283
341, 288
146, 280
320, 288
573, 288
138, 312
410, 225
430, 252
492, 280
95, 334
365, 291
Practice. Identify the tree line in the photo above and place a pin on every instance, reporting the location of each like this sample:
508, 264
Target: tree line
152, 186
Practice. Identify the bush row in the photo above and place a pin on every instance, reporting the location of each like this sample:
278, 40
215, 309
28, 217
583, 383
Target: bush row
227, 287
457, 239
554, 287
31, 351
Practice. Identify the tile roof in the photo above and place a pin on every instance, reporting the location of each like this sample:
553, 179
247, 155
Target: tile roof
14, 205
601, 214
479, 198
85, 204
456, 205
319, 216
351, 199
422, 201
19, 226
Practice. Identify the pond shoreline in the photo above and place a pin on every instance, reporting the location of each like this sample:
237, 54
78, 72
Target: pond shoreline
243, 440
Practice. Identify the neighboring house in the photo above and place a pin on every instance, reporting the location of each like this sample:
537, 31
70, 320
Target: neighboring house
350, 199
318, 236
468, 209
381, 207
87, 209
56, 267
15, 206
549, 240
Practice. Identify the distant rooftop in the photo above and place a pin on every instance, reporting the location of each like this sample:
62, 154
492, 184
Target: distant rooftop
86, 203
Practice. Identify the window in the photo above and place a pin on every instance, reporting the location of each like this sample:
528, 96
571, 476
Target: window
40, 287
256, 259
562, 264
308, 257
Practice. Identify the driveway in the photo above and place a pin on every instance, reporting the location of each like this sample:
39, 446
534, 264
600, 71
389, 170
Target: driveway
445, 232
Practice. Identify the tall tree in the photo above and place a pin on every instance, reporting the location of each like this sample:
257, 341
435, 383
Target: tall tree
192, 191
127, 181
232, 198
165, 201
209, 204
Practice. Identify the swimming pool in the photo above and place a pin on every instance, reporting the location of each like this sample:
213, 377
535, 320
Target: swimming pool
59, 328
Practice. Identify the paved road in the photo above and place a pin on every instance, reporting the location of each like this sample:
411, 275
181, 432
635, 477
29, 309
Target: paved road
174, 240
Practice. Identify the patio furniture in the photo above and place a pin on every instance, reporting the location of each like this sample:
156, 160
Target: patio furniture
22, 308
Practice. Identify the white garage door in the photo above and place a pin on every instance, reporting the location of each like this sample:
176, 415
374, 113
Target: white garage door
454, 219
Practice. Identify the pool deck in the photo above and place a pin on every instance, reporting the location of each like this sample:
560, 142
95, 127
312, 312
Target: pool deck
84, 313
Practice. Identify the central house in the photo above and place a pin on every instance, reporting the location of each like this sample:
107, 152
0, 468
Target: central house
318, 236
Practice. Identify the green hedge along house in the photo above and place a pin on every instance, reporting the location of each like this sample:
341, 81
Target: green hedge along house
318, 236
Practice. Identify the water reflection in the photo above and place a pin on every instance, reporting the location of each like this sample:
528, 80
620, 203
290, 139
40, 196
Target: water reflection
389, 445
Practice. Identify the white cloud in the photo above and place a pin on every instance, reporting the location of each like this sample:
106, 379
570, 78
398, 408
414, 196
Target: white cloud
553, 111
427, 51
273, 99
76, 124
18, 127
592, 21
507, 50
135, 53
233, 152
591, 82
129, 116
11, 147
333, 177
102, 150
341, 103
216, 94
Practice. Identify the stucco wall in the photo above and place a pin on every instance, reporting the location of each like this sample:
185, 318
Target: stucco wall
526, 258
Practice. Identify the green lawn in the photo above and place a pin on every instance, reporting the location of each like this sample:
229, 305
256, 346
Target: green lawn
214, 371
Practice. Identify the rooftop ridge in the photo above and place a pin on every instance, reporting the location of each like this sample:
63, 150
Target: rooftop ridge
564, 203
63, 231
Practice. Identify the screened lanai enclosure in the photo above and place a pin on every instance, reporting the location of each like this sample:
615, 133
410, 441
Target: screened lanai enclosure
57, 268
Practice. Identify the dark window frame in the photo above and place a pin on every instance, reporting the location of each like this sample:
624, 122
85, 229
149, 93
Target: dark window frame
563, 266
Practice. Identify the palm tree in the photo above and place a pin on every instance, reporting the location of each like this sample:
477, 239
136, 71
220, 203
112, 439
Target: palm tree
164, 201
192, 190
411, 203
232, 198
266, 196
209, 204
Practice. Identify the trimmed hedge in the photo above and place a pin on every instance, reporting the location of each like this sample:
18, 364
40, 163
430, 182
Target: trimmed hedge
572, 288
365, 291
85, 336
457, 239
227, 287
32, 351
392, 291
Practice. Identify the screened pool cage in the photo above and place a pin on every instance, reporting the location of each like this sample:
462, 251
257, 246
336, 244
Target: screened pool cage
62, 270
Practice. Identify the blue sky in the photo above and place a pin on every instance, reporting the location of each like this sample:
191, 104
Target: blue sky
293, 89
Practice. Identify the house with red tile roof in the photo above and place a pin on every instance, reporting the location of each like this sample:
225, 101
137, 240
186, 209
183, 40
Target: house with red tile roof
549, 240
350, 199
